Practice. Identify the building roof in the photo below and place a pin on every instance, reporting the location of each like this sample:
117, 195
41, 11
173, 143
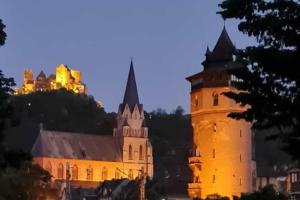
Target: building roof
223, 50
131, 94
56, 144
41, 76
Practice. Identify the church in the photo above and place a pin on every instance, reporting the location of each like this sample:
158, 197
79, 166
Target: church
85, 158
223, 156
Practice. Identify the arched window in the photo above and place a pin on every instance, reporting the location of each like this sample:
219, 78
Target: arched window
130, 152
60, 171
74, 172
89, 173
130, 174
215, 99
104, 173
117, 173
141, 153
49, 167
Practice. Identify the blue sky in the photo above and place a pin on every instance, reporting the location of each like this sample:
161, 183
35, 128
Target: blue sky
166, 38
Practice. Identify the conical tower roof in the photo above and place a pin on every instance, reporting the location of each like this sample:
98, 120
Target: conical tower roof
131, 97
223, 50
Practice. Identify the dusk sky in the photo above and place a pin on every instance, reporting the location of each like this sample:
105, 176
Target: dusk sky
166, 38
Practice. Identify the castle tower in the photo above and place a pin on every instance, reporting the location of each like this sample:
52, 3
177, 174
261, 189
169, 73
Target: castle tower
222, 161
132, 132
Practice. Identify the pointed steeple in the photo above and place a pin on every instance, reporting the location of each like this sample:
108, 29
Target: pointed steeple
223, 50
207, 51
131, 97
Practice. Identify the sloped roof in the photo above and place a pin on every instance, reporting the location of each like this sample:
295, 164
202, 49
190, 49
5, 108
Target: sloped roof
76, 146
223, 50
41, 76
131, 97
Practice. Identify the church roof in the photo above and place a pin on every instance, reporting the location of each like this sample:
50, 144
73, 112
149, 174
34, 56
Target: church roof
131, 97
223, 50
56, 144
41, 76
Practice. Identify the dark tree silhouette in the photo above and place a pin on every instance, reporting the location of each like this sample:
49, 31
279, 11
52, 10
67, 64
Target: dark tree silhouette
269, 71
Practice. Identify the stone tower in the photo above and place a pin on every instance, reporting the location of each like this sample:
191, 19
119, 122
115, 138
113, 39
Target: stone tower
222, 161
132, 132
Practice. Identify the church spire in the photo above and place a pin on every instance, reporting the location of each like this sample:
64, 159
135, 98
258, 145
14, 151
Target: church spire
131, 94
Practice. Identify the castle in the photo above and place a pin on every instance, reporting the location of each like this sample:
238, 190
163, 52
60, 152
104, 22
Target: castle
222, 162
94, 158
64, 78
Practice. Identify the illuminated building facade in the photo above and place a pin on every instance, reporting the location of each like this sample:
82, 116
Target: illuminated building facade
222, 160
63, 78
94, 158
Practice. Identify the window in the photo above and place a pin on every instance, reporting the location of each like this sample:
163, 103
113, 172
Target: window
214, 178
130, 153
49, 167
294, 177
196, 101
240, 133
215, 127
104, 173
240, 157
240, 181
130, 174
89, 173
117, 173
141, 153
74, 172
215, 99
214, 153
60, 171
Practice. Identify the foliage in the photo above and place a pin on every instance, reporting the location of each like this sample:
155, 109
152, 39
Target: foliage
2, 33
266, 193
29, 182
171, 137
270, 79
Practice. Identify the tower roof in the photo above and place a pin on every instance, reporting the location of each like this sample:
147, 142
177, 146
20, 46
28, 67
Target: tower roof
131, 94
223, 50
41, 76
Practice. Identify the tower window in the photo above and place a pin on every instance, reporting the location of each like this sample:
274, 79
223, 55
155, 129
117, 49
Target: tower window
215, 99
240, 133
130, 153
214, 153
141, 153
240, 181
240, 157
214, 178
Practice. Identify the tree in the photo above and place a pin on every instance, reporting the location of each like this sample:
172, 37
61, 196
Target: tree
266, 193
269, 71
19, 178
2, 33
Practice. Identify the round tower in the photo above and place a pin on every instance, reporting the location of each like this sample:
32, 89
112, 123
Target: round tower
222, 162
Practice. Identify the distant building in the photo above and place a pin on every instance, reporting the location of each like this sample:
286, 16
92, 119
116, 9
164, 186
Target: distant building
222, 160
95, 158
293, 187
63, 78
